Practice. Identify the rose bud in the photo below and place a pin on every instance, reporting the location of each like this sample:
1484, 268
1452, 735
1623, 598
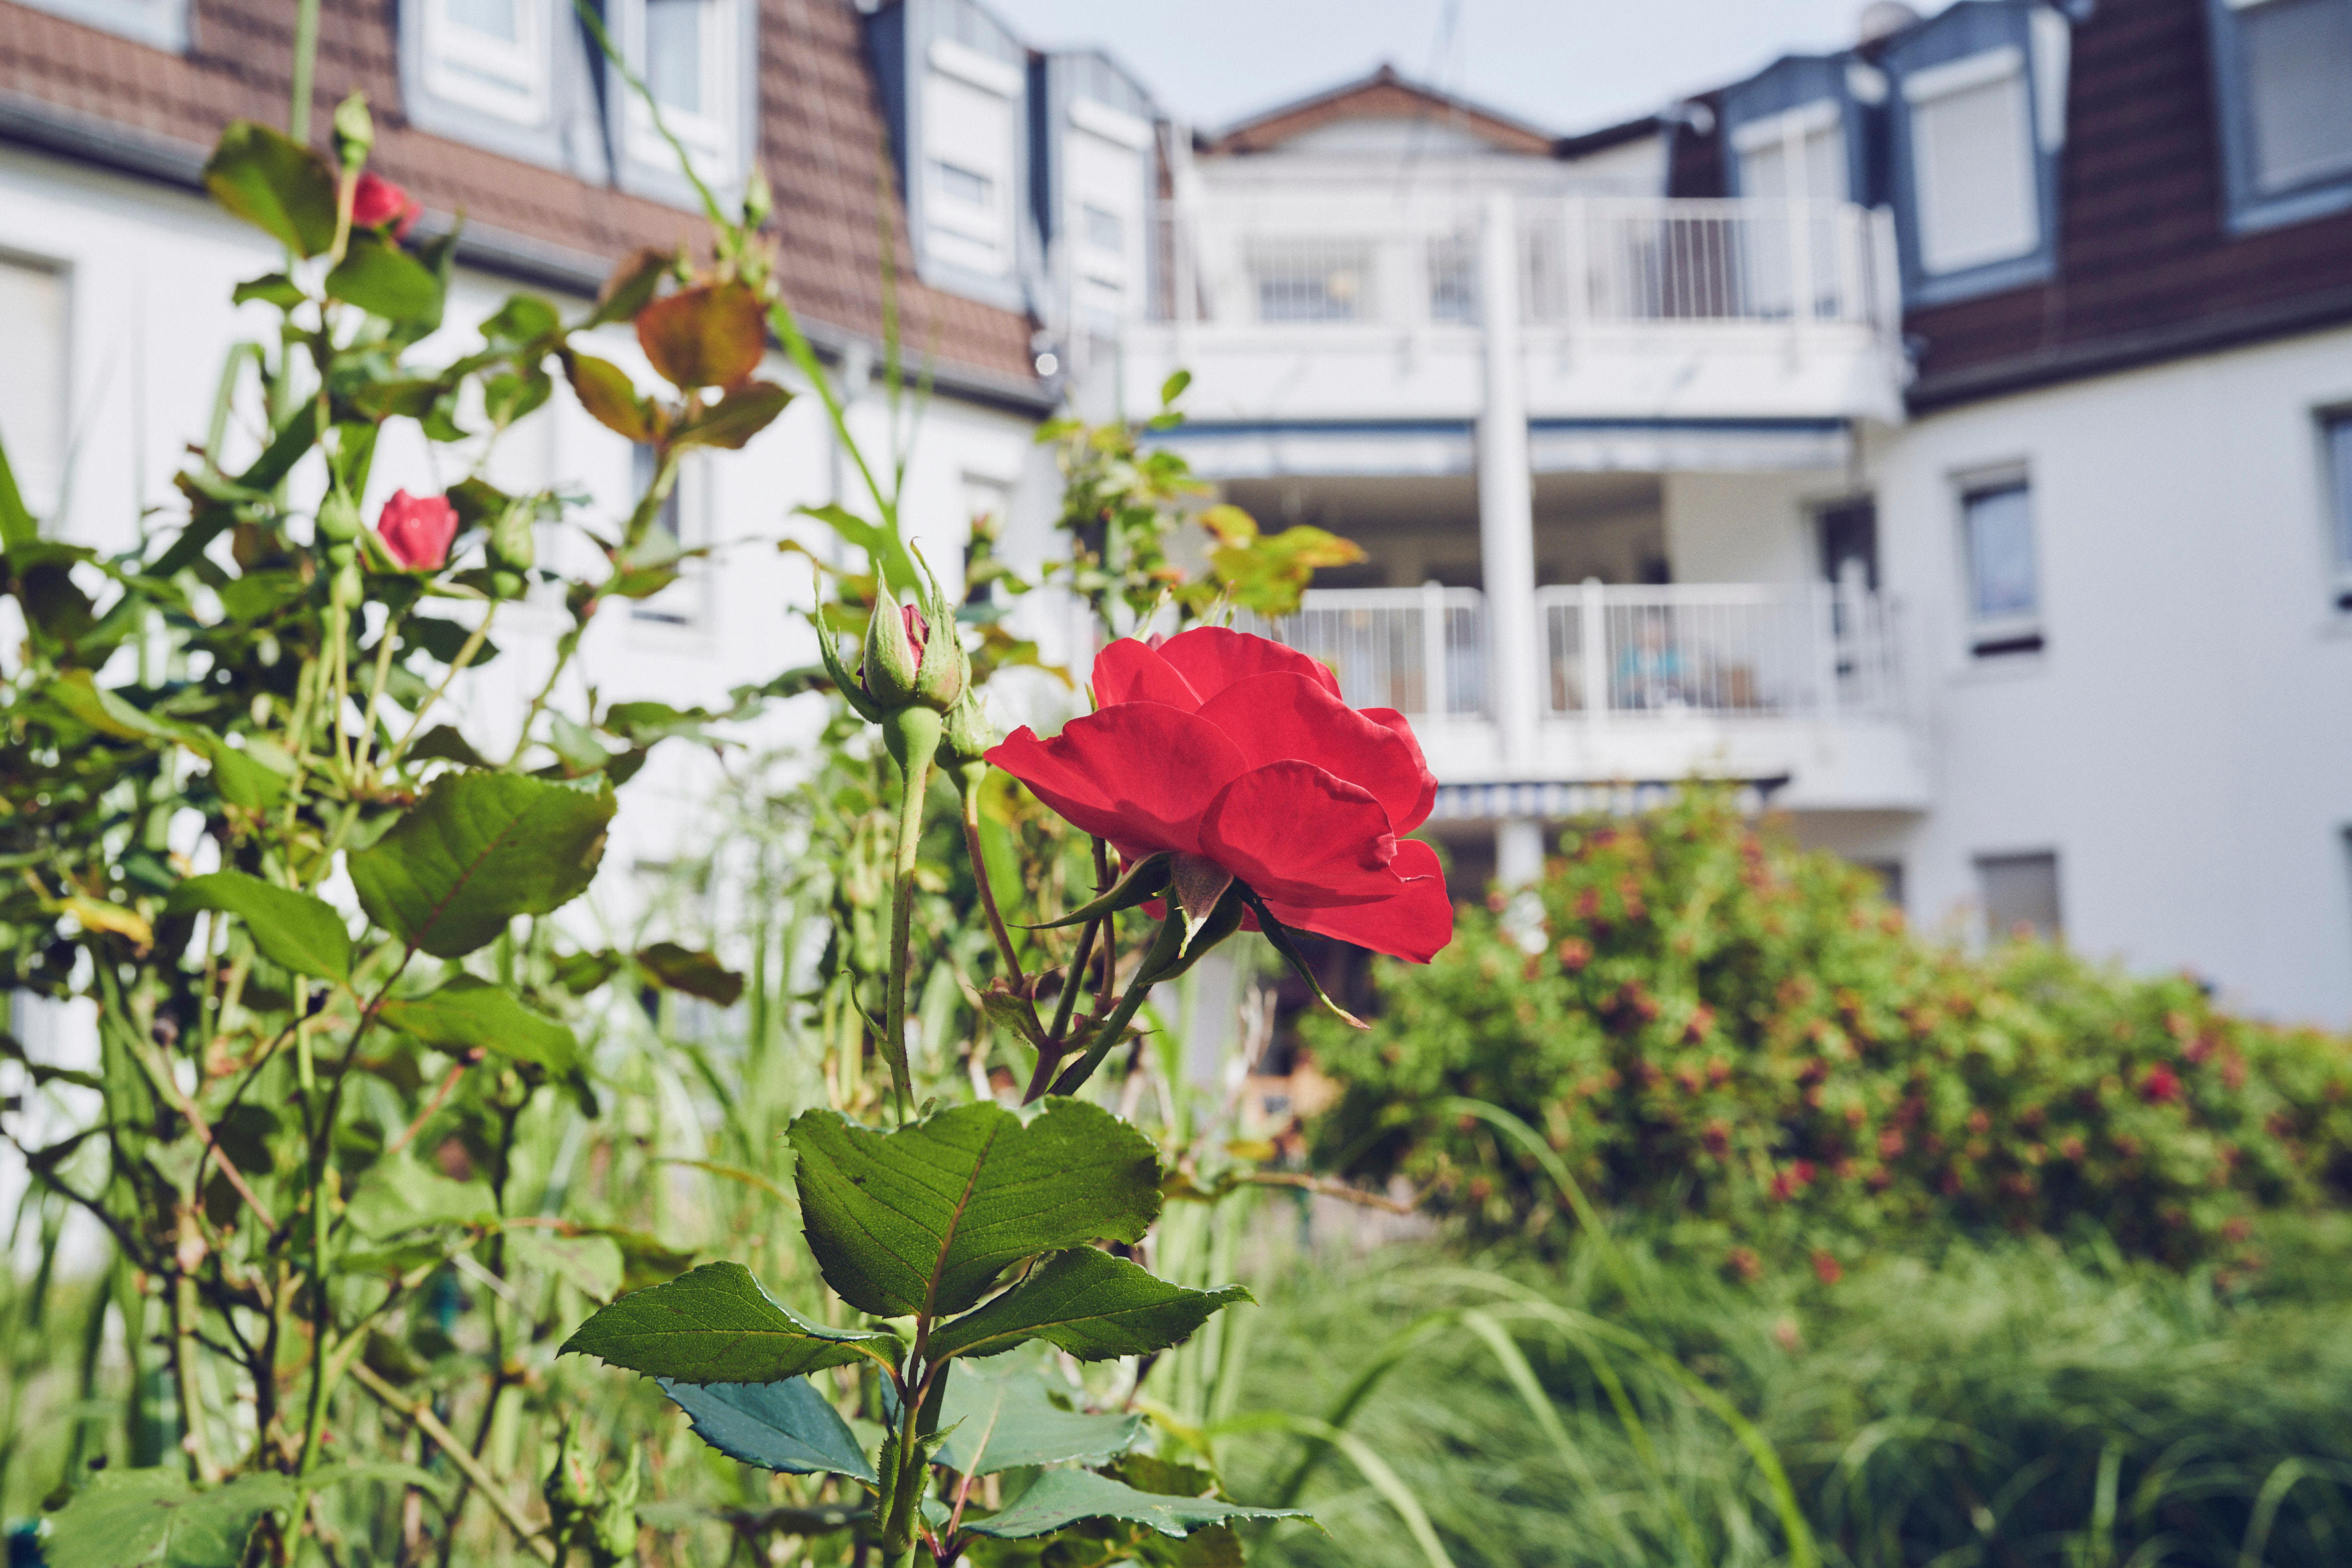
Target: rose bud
416, 531
376, 201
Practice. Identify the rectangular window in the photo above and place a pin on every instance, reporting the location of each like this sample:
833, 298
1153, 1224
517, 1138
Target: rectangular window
1103, 230
1453, 278
1105, 208
968, 135
489, 55
690, 55
2336, 430
2020, 896
1309, 279
1973, 162
33, 394
2004, 583
2297, 60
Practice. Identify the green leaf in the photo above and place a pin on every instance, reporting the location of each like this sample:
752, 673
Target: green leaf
276, 288
478, 851
242, 778
591, 1264
1003, 1422
276, 184
294, 930
605, 391
1089, 1303
696, 973
924, 1219
734, 419
522, 321
256, 595
17, 526
470, 1013
80, 694
398, 1194
445, 743
1060, 1498
1173, 388
714, 1324
384, 280
132, 1519
787, 1426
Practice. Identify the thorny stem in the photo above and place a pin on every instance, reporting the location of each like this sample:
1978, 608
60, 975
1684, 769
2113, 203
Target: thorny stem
1043, 1079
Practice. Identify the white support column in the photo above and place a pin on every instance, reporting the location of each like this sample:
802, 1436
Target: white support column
1518, 852
1507, 533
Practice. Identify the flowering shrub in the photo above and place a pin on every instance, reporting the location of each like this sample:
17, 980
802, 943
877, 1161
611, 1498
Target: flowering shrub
1723, 1027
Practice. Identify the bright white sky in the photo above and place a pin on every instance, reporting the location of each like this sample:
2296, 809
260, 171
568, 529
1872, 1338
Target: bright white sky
1564, 65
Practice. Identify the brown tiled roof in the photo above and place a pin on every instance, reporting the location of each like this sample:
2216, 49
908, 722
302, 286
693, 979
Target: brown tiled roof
1384, 95
821, 141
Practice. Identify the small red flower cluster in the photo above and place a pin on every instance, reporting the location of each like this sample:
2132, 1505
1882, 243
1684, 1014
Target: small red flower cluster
1238, 750
416, 529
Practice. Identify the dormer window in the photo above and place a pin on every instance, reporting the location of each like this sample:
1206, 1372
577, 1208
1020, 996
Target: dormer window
694, 57
489, 55
1798, 153
970, 119
1977, 119
2283, 66
1972, 161
1103, 169
160, 23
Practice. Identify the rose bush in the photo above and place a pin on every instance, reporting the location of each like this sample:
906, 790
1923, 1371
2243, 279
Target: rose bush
1237, 756
1725, 1029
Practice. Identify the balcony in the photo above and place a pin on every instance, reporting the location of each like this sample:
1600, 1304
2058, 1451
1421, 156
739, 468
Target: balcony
1794, 684
1332, 309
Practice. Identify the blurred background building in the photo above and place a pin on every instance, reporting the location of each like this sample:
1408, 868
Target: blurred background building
1950, 438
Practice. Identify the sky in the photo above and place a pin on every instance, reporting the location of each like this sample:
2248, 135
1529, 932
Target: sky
1564, 65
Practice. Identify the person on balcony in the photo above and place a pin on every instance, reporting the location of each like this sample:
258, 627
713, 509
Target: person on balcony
1650, 670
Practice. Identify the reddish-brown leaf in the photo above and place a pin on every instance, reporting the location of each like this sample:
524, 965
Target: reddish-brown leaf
709, 335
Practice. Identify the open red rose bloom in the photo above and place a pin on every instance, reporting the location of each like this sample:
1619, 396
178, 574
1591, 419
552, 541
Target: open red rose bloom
1239, 751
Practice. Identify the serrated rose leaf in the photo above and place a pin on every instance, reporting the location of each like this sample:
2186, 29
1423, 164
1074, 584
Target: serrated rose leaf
1089, 1303
478, 851
1003, 1422
924, 1219
294, 930
1060, 1499
468, 1013
788, 1426
714, 1324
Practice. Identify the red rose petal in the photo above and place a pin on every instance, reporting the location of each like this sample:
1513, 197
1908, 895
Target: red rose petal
1394, 722
1130, 671
1298, 834
1276, 717
1211, 659
1413, 924
1140, 775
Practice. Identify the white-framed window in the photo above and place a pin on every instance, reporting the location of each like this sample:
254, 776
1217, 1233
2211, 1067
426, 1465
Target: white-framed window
160, 23
1973, 162
685, 516
690, 54
2336, 456
33, 394
1307, 277
2294, 63
971, 148
1104, 173
1799, 152
2020, 894
2003, 567
494, 56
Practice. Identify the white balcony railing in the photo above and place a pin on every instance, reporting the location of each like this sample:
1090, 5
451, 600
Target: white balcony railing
1421, 651
1691, 649
1584, 260
1724, 650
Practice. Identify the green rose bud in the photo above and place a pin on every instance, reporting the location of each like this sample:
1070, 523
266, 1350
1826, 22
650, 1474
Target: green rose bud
355, 133
965, 741
339, 517
512, 543
349, 588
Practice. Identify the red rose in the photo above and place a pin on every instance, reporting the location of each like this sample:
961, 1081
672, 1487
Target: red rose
1231, 748
1827, 1268
416, 529
2160, 1085
376, 201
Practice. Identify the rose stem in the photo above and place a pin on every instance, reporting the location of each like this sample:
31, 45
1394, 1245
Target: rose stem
913, 736
1165, 944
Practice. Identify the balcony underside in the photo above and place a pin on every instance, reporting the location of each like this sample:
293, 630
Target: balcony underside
1648, 371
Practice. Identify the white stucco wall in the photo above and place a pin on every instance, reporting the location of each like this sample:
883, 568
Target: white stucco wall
2184, 743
